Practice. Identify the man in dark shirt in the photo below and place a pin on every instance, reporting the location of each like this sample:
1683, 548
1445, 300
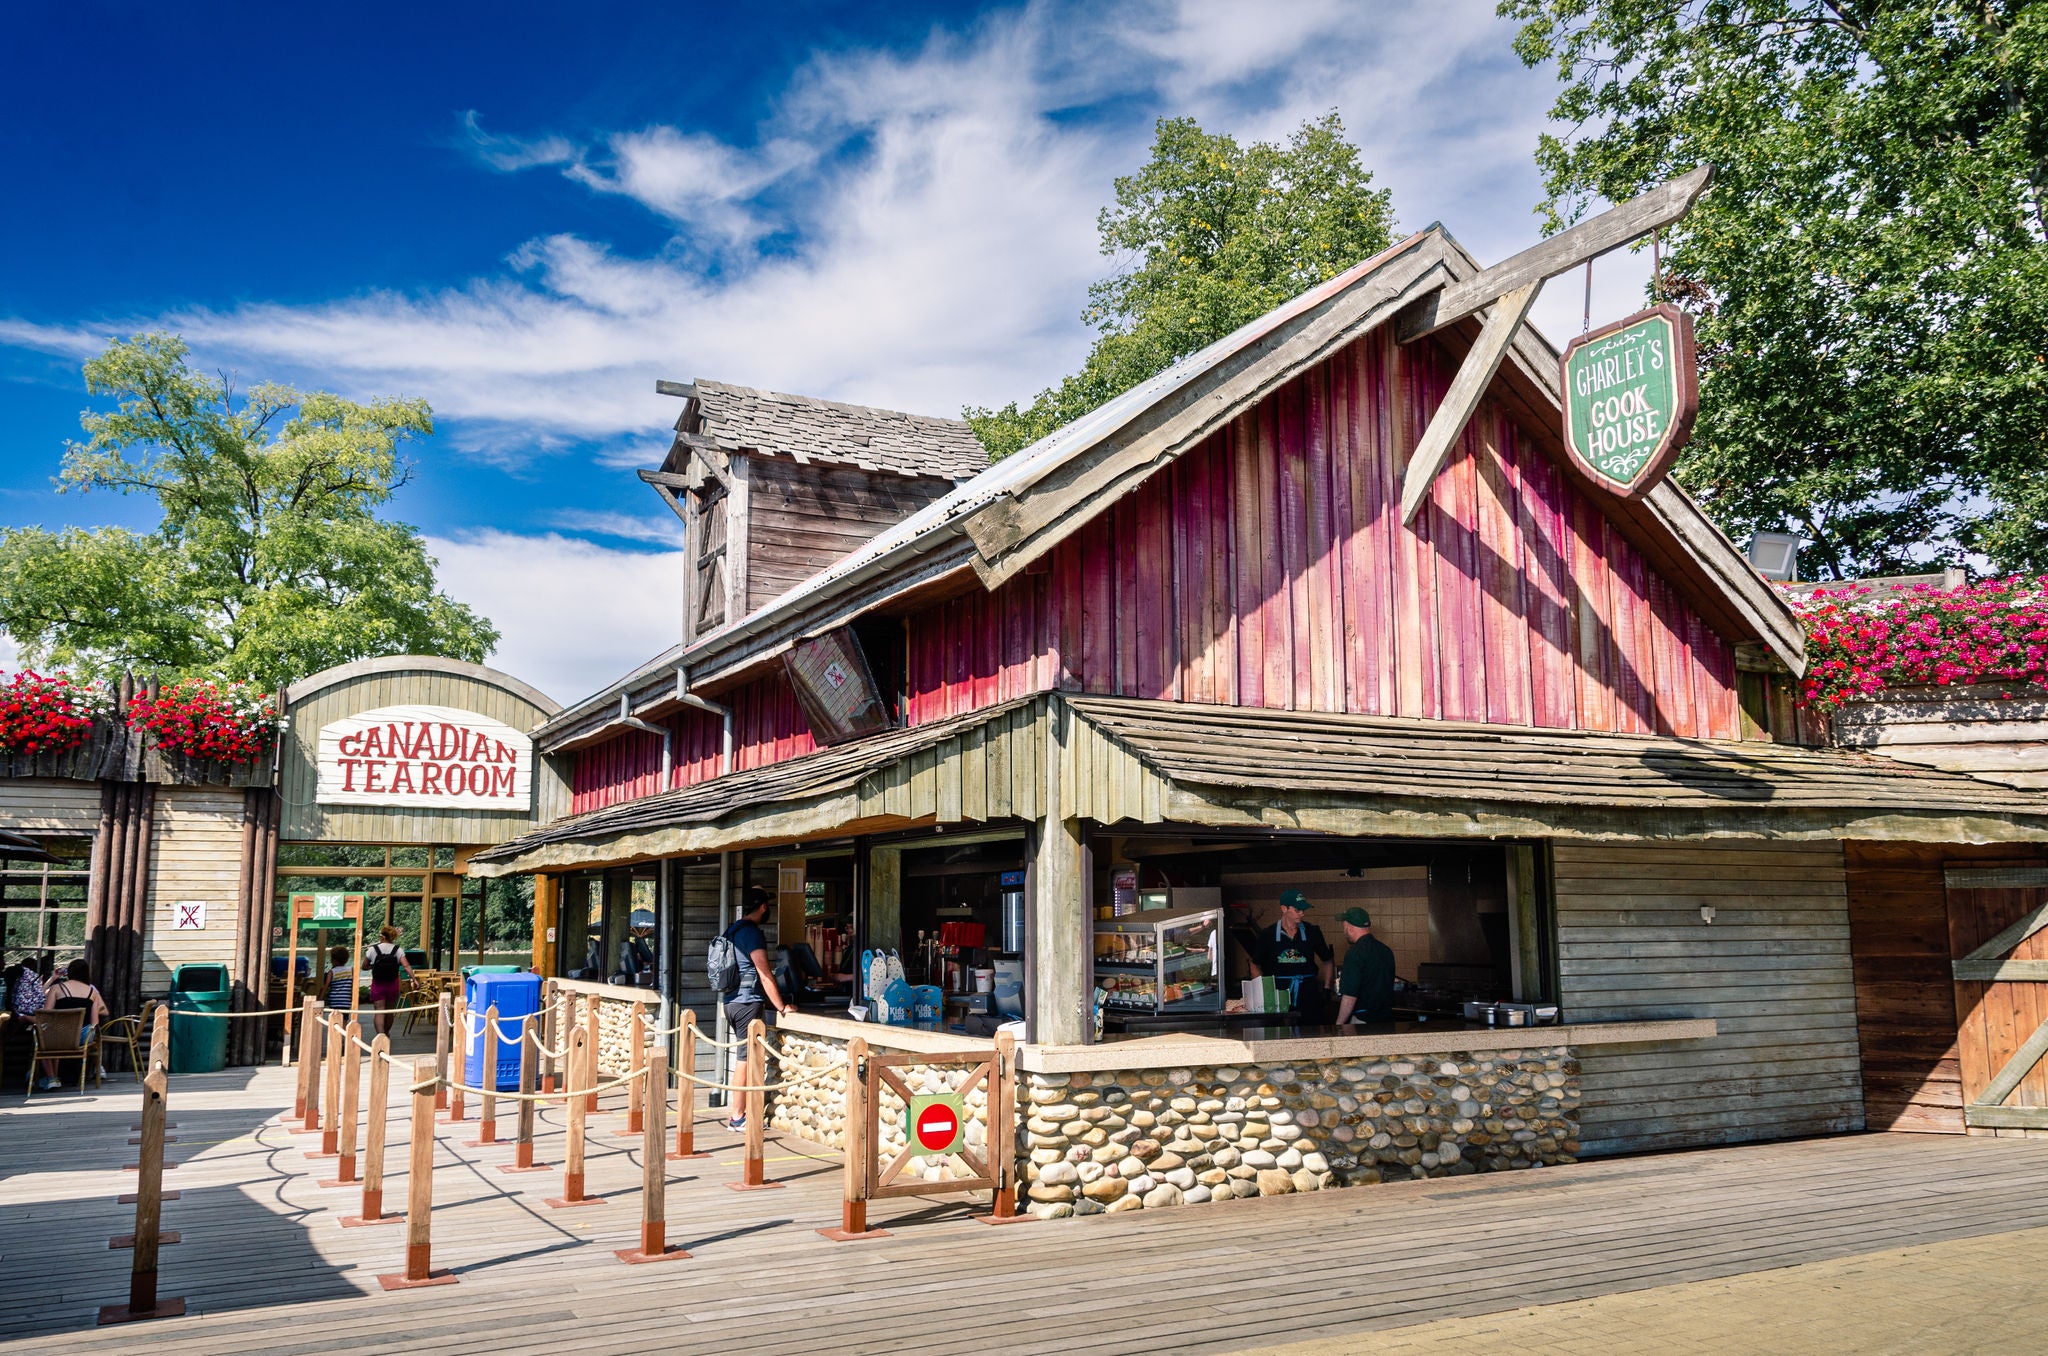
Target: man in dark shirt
1366, 987
757, 995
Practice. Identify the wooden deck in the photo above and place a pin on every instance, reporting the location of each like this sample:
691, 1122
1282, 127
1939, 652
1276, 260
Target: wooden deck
265, 1266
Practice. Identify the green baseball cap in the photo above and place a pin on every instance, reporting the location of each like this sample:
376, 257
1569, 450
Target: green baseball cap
1294, 899
1358, 918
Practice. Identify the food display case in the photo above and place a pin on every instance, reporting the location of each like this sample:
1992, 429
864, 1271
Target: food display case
1153, 965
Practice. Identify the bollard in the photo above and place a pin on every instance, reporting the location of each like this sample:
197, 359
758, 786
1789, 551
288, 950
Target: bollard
551, 1027
686, 1092
636, 1094
853, 1211
305, 1059
441, 1038
312, 1053
149, 1185
522, 1153
753, 1174
653, 1174
593, 1049
160, 1038
419, 1191
455, 1093
373, 1151
582, 1073
330, 1126
487, 1109
345, 1107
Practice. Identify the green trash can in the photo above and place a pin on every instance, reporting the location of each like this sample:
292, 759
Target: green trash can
469, 970
199, 1044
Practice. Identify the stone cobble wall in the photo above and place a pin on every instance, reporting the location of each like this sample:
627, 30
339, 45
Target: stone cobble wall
1131, 1140
816, 1110
614, 1029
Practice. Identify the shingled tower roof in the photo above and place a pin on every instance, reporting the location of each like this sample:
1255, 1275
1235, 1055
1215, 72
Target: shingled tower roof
742, 419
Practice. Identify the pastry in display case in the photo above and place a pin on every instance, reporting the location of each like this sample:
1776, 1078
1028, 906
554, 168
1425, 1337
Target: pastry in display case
1174, 964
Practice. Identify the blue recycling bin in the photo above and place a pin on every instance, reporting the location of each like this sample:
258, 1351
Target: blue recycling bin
516, 996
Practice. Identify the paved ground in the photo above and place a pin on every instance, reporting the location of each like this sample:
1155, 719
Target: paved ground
1866, 1243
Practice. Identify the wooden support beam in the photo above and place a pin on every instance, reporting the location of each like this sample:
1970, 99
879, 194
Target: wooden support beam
686, 390
2006, 1079
1566, 250
1467, 389
2000, 971
2007, 941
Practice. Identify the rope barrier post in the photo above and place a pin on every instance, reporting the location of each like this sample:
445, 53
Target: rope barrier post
853, 1211
345, 1107
441, 1036
753, 1173
653, 1169
686, 1093
487, 1111
550, 1033
160, 1038
455, 1094
581, 1068
149, 1186
522, 1153
636, 1091
310, 1063
419, 1190
593, 1049
378, 1115
330, 1125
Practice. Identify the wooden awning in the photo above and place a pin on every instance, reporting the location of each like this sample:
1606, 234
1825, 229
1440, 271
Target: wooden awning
1158, 762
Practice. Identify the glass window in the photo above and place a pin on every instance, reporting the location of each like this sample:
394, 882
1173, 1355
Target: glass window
444, 858
359, 855
42, 904
415, 857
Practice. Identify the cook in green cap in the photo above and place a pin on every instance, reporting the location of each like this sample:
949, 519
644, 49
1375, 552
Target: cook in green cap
1294, 953
1365, 990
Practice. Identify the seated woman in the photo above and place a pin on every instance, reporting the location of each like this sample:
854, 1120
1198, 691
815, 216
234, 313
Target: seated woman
75, 990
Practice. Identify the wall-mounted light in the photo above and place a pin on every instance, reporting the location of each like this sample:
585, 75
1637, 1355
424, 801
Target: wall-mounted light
1776, 554
1706, 913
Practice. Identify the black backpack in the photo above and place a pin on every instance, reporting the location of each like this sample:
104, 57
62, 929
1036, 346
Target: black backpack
722, 964
384, 964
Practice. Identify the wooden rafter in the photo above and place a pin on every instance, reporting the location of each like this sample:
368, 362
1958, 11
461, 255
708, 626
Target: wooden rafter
1467, 389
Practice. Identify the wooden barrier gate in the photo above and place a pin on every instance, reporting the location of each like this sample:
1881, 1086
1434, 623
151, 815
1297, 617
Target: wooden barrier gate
868, 1179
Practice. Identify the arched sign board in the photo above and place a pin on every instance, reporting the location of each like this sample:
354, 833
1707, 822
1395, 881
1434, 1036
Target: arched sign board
424, 757
1630, 392
934, 1124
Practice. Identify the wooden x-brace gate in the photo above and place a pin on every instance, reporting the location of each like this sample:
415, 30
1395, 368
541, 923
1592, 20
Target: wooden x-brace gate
2002, 1035
867, 1178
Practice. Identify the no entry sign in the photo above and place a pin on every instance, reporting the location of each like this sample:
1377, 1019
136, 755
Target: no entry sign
934, 1124
1630, 392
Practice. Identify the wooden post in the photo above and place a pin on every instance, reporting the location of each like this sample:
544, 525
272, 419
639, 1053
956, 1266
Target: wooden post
419, 1190
582, 1074
522, 1153
160, 1038
373, 1152
1002, 1132
149, 1187
636, 1091
441, 1038
330, 1127
311, 1053
653, 1170
594, 1049
455, 1093
686, 1092
550, 1032
753, 1173
487, 1114
345, 1107
859, 1153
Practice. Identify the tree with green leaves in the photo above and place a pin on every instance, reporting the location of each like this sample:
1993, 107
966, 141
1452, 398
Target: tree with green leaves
1210, 234
269, 561
1869, 272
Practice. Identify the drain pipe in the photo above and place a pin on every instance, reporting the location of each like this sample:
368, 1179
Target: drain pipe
723, 712
631, 721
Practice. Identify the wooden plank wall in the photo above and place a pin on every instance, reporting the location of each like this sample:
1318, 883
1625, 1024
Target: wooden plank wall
195, 853
1978, 731
1905, 995
1773, 969
768, 728
1270, 568
48, 805
804, 517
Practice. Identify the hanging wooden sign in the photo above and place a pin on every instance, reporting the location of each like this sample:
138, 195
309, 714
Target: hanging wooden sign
1630, 392
835, 686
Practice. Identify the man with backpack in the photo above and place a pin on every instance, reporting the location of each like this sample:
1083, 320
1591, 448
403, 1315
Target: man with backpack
739, 971
387, 964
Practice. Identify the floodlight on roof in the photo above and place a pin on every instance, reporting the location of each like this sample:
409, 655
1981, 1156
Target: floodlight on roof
1775, 554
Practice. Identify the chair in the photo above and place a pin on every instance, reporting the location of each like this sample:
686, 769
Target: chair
57, 1038
132, 1034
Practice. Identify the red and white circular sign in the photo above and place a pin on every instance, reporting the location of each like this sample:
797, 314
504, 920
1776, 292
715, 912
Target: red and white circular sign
938, 1126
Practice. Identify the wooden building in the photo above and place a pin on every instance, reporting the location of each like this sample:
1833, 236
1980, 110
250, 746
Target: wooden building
1192, 642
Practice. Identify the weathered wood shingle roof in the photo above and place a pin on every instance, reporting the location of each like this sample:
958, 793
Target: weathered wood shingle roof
743, 419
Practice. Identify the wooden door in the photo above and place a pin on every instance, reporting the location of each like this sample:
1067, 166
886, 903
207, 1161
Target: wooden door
1996, 919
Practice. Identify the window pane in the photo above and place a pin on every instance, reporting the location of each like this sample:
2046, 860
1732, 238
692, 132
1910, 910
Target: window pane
330, 854
444, 857
68, 929
407, 885
415, 857
405, 916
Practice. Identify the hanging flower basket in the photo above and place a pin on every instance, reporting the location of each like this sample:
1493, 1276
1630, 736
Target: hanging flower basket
1860, 643
49, 714
215, 722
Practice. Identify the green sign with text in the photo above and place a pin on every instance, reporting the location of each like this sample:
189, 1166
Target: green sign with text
1630, 392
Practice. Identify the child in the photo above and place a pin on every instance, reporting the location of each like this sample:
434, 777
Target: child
341, 981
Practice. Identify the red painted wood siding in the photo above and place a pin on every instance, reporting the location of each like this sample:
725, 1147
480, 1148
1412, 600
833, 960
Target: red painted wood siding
1270, 568
768, 727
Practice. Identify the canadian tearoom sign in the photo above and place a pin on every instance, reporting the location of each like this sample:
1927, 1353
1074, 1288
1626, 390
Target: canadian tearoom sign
1630, 392
424, 757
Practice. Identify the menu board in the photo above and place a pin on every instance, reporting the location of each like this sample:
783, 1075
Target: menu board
835, 687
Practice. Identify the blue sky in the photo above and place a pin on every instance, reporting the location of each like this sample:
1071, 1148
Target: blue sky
527, 213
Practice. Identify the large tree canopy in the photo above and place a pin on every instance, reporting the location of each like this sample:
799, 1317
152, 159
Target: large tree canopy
269, 562
1211, 235
1870, 270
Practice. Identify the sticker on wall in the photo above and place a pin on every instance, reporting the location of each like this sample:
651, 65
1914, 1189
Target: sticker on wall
424, 757
188, 915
